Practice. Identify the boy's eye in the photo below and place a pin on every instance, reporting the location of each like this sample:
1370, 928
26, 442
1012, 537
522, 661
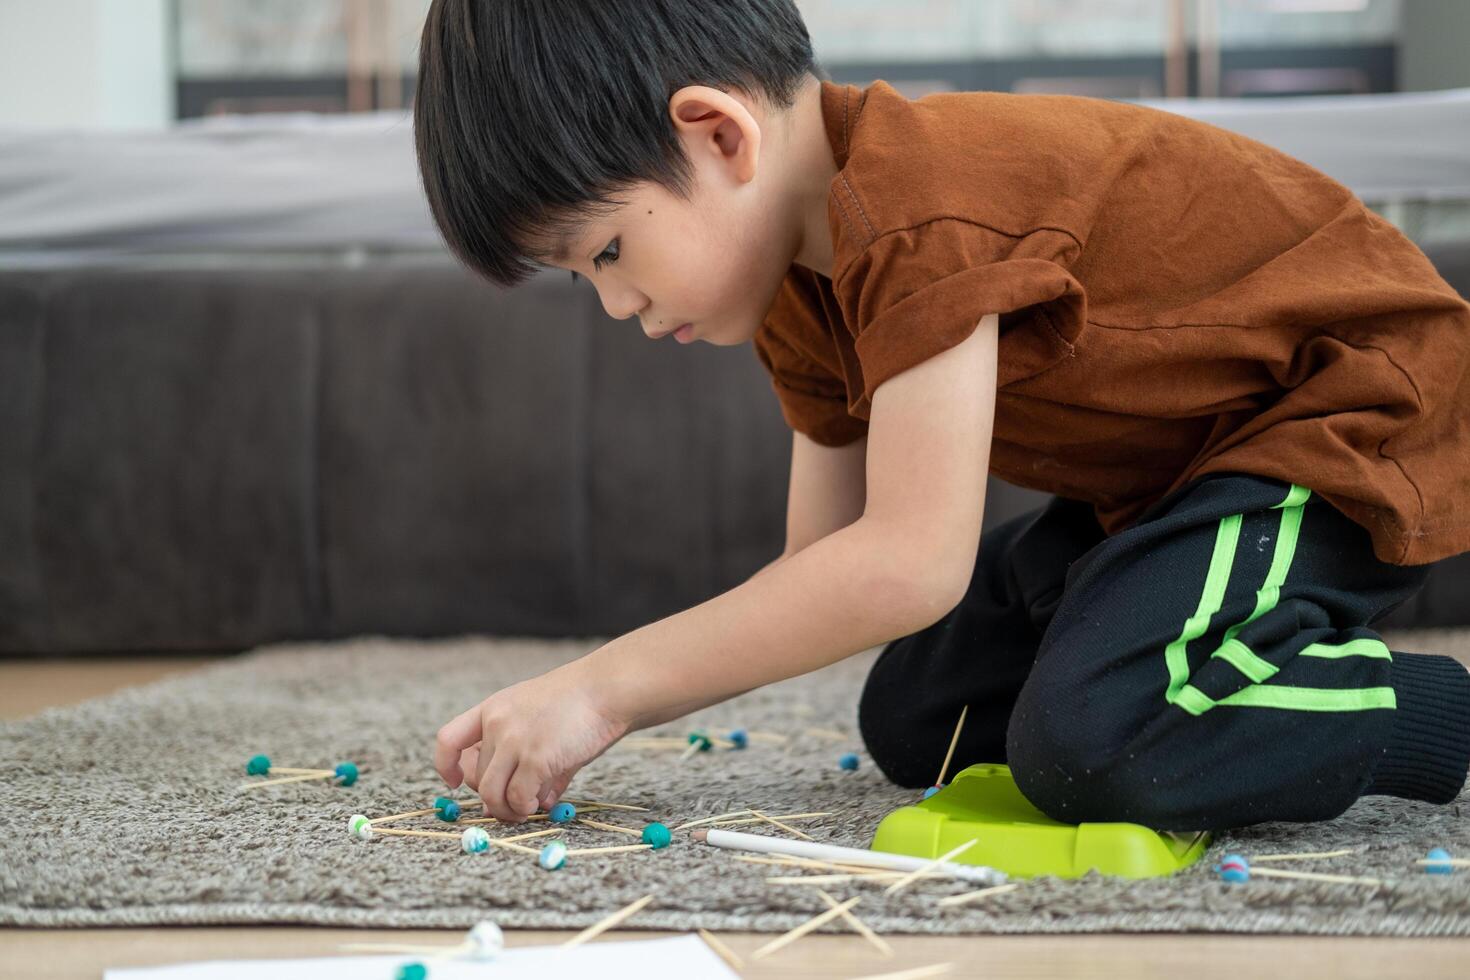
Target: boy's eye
609, 254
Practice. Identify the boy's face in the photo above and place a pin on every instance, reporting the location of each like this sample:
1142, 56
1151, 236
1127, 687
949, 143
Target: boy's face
717, 260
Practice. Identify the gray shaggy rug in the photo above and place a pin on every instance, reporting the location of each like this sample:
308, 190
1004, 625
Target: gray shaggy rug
121, 811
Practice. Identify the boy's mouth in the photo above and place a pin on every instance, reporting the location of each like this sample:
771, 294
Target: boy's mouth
685, 333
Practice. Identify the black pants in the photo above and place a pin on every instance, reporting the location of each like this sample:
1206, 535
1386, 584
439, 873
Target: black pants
1210, 666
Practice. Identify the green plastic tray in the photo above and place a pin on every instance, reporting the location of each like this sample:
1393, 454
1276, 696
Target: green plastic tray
1013, 836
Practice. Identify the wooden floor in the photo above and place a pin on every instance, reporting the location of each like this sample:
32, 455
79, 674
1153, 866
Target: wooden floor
28, 686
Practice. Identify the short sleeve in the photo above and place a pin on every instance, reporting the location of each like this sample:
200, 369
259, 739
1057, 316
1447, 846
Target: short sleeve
796, 346
920, 291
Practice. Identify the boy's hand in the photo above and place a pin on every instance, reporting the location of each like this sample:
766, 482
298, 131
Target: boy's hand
522, 745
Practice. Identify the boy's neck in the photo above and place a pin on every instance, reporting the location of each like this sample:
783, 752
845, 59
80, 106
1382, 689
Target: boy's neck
812, 166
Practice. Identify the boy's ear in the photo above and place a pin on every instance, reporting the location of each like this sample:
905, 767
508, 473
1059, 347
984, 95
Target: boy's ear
719, 125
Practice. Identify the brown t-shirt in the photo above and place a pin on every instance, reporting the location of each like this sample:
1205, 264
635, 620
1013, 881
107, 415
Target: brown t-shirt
1174, 300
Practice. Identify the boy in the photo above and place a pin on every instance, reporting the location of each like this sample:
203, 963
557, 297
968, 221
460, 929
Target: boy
1247, 392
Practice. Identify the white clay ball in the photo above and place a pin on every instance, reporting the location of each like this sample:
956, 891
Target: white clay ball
359, 826
485, 941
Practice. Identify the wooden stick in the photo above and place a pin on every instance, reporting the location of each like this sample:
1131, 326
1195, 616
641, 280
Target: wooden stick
791, 861
917, 973
608, 922
804, 928
785, 827
1313, 876
534, 833
779, 816
858, 924
1300, 857
838, 878
608, 826
533, 817
610, 806
400, 832
693, 748
704, 820
611, 850
1453, 862
420, 813
831, 733
952, 743
327, 772
286, 779
725, 952
980, 893
767, 737
912, 875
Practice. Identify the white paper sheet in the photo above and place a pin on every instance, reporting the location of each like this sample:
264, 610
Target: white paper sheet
673, 958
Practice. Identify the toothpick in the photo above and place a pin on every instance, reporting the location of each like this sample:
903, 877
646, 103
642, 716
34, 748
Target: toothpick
693, 748
704, 820
608, 922
917, 973
785, 827
914, 874
1312, 876
320, 772
767, 737
804, 928
611, 850
420, 813
831, 733
838, 878
725, 952
952, 743
1300, 857
610, 806
608, 826
778, 816
400, 832
287, 779
979, 893
858, 924
1453, 862
790, 860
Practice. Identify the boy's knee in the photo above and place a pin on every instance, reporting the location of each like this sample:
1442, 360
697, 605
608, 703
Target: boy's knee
888, 734
1073, 767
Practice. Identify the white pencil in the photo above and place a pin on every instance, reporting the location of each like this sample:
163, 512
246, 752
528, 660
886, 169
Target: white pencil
852, 855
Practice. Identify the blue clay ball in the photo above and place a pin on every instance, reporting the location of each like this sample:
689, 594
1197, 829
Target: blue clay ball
1439, 854
657, 834
931, 791
740, 739
449, 812
346, 773
562, 812
411, 971
849, 762
258, 765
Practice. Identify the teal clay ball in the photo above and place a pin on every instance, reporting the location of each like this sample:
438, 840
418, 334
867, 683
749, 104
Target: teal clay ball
258, 765
346, 773
562, 812
411, 971
658, 835
849, 762
449, 812
702, 739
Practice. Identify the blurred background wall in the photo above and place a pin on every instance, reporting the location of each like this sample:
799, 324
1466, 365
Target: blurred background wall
140, 63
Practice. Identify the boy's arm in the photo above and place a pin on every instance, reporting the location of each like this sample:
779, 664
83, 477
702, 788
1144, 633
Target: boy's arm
828, 487
896, 569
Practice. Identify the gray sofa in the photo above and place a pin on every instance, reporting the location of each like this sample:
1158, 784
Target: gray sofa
240, 407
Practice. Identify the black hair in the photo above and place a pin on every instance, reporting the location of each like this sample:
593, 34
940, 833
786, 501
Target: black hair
531, 116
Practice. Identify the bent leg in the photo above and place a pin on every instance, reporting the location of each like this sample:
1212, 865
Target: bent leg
978, 654
1212, 667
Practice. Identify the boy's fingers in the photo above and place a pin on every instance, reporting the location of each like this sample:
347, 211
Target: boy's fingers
522, 790
469, 764
458, 734
494, 775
